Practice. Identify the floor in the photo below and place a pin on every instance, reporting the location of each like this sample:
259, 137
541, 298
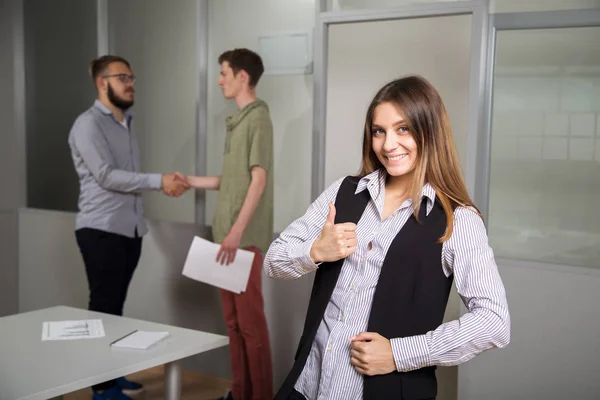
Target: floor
196, 386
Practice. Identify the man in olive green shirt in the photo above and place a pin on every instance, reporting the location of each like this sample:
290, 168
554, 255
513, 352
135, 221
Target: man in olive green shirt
244, 219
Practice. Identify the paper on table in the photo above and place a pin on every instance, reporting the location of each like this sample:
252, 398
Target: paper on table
70, 330
140, 340
201, 265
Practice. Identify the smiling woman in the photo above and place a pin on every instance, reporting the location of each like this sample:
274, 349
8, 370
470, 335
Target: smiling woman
375, 329
408, 135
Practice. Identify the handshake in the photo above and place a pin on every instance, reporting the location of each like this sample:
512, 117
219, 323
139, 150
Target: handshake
175, 184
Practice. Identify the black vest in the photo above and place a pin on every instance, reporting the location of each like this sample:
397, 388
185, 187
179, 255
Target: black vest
410, 298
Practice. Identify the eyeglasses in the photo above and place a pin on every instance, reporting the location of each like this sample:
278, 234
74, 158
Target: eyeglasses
124, 78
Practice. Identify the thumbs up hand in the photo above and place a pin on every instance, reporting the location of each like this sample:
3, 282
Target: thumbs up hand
336, 241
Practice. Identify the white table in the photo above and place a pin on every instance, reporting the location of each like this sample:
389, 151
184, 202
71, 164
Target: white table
31, 369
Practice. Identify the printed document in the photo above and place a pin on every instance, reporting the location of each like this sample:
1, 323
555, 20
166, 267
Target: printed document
71, 330
201, 265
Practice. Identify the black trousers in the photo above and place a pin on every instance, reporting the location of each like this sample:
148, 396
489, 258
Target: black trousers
110, 261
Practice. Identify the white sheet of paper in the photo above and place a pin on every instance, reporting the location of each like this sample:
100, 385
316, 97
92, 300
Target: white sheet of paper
140, 340
71, 330
201, 265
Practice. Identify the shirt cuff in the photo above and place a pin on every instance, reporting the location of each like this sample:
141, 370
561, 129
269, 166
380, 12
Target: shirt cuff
300, 256
411, 353
155, 181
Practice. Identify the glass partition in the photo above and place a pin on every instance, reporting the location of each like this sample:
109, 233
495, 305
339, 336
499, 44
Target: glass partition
443, 45
512, 6
58, 89
339, 5
545, 148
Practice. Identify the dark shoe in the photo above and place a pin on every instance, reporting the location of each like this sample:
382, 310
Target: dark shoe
113, 393
128, 386
227, 396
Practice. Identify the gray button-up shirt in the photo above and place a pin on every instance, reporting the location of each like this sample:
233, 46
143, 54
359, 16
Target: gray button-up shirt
106, 158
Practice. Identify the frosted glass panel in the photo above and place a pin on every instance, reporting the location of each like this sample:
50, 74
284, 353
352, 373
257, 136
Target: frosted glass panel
505, 6
496, 6
337, 5
58, 89
545, 162
441, 54
234, 23
159, 39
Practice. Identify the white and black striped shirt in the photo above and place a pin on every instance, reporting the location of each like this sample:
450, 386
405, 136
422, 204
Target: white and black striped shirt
328, 373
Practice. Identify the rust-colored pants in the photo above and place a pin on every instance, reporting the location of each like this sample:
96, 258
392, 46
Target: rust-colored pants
249, 337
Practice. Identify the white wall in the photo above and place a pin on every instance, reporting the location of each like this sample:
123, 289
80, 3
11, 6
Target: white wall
555, 347
52, 273
9, 159
232, 24
159, 39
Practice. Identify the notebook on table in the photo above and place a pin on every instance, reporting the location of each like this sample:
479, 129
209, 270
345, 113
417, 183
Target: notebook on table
140, 340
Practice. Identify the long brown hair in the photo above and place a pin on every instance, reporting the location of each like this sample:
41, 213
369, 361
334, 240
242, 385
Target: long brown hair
421, 106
